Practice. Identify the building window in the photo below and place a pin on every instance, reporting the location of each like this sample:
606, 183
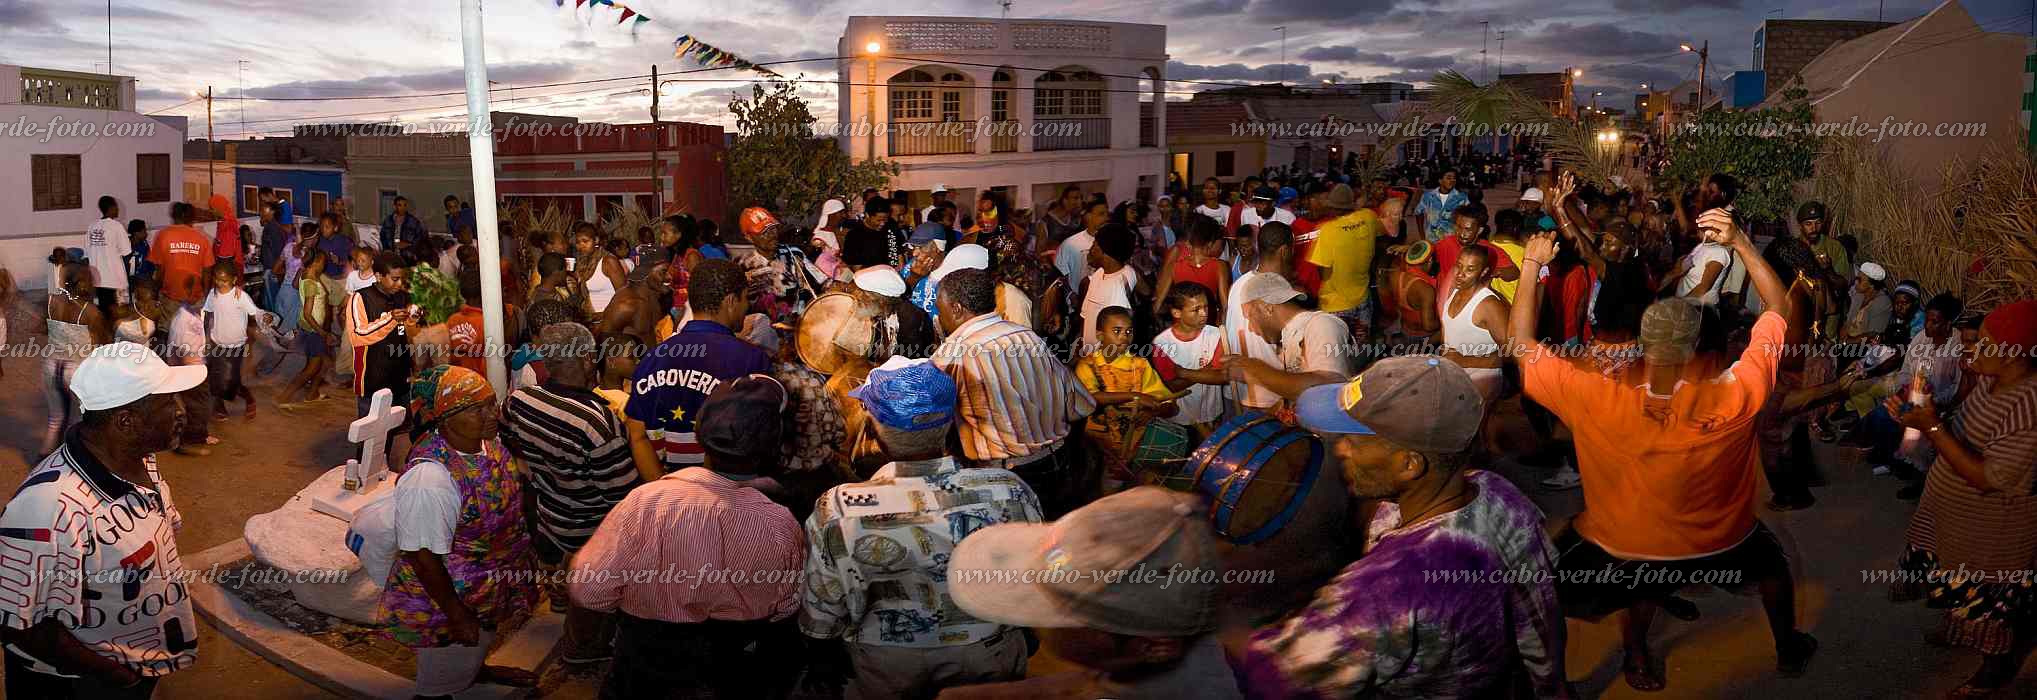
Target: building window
1226, 162
1000, 105
250, 199
57, 182
1049, 102
912, 104
951, 105
1085, 103
319, 202
151, 178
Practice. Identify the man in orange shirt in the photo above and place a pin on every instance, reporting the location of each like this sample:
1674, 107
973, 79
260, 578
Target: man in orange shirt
1670, 463
182, 255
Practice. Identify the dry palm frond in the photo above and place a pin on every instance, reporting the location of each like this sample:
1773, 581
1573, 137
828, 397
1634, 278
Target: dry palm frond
1976, 236
1569, 142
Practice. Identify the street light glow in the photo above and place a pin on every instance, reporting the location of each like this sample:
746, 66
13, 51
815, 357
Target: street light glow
1685, 47
873, 47
1577, 72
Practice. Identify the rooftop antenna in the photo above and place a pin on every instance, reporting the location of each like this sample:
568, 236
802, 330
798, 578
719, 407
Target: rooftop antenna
1007, 8
1502, 52
1483, 73
1283, 53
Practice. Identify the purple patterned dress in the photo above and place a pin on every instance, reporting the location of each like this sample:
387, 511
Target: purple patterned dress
489, 538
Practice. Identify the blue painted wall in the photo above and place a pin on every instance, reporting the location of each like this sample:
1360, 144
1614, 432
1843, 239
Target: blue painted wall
300, 184
1746, 88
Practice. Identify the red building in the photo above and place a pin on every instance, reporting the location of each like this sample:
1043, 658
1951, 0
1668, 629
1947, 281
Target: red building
603, 165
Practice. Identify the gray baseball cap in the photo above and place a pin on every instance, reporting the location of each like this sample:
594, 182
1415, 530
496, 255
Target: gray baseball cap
1424, 403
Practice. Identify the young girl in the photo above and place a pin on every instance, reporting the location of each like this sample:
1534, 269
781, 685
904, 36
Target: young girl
1196, 260
185, 345
315, 336
130, 323
228, 312
1189, 356
598, 272
75, 326
1129, 394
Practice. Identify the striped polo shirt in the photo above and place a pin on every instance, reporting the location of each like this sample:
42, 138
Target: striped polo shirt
676, 377
579, 459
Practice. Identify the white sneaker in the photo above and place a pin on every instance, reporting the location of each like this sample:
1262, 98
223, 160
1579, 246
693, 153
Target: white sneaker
1566, 478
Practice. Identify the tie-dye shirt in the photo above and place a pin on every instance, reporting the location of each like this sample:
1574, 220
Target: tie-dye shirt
1391, 624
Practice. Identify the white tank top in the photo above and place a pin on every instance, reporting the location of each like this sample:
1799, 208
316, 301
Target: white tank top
1463, 335
600, 289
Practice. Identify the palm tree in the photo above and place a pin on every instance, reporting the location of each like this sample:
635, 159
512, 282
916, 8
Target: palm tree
1571, 144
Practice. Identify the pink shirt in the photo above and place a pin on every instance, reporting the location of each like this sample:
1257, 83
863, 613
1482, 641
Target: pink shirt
693, 546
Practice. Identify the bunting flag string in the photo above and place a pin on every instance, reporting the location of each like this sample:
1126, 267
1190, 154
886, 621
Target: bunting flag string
684, 47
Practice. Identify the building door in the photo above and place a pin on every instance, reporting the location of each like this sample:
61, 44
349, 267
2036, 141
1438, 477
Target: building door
1182, 162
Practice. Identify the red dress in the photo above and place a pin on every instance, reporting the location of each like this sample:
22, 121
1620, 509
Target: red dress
1208, 274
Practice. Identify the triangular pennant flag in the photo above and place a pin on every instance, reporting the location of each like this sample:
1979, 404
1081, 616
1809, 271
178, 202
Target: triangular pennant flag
578, 3
626, 14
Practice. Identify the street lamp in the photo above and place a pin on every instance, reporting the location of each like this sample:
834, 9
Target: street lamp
1577, 72
870, 100
1704, 52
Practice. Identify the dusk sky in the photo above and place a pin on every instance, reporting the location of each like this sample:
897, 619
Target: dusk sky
371, 48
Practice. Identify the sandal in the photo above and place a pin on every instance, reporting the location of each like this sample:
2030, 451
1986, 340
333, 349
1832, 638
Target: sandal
1645, 676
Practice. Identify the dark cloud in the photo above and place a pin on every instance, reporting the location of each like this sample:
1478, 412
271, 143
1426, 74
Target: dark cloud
1599, 40
432, 81
26, 16
1352, 54
1240, 72
1673, 6
1253, 51
1209, 8
1335, 12
1404, 76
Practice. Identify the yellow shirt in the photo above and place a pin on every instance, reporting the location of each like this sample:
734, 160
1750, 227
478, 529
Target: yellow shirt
1514, 250
1126, 373
1344, 248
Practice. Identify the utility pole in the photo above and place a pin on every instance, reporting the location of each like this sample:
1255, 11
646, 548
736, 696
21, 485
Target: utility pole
241, 68
210, 186
481, 161
657, 135
1502, 52
1283, 53
1704, 62
1484, 73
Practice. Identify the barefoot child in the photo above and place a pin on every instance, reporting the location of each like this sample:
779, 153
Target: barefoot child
315, 336
228, 312
1129, 394
186, 346
1189, 357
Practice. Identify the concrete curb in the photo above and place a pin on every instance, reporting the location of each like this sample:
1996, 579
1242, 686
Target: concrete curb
531, 648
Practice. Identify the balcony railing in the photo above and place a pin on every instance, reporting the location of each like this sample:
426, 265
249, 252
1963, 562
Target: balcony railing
1146, 132
1071, 134
932, 138
1004, 136
56, 88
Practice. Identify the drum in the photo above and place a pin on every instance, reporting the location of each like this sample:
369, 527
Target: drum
1257, 474
834, 329
1161, 450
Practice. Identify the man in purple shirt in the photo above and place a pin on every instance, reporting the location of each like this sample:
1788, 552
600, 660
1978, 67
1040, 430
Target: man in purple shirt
676, 376
1454, 596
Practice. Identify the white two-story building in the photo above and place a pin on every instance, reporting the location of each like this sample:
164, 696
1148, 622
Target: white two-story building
1021, 106
66, 139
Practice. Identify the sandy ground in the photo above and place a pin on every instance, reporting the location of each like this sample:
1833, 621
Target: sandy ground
1870, 648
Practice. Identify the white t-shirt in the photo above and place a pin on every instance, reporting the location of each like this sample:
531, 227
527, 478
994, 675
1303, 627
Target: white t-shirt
427, 508
1221, 212
1205, 402
449, 262
1072, 258
1106, 289
1314, 341
230, 316
187, 337
1703, 255
105, 244
1250, 217
355, 282
1236, 331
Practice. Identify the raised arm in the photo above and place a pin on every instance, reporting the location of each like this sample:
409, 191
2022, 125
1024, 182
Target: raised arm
1528, 297
1767, 285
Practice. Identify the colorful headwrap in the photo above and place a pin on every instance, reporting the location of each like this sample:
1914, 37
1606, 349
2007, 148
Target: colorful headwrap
1418, 253
2014, 325
444, 390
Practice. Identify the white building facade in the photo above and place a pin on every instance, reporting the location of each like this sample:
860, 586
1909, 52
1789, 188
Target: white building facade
1021, 106
66, 139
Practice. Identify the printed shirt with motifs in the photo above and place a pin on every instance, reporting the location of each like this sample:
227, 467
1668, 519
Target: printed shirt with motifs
877, 552
98, 554
675, 378
1381, 628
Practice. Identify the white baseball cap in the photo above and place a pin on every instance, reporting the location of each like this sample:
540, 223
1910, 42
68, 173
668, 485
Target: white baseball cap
940, 188
967, 256
829, 207
880, 279
118, 374
1534, 194
1874, 271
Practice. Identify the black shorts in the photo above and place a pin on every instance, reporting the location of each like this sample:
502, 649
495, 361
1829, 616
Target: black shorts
1592, 583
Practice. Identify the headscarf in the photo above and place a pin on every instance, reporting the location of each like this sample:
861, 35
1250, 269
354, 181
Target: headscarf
2014, 325
440, 392
226, 238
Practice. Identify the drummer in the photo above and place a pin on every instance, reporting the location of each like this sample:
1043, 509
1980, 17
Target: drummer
909, 330
1128, 391
1402, 433
1314, 346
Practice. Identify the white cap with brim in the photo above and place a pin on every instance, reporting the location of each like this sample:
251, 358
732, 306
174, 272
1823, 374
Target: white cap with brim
938, 189
829, 207
118, 374
1272, 289
880, 279
1534, 194
967, 256
1874, 271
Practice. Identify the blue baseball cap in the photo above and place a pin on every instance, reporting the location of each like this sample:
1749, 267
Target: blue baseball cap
908, 395
1287, 194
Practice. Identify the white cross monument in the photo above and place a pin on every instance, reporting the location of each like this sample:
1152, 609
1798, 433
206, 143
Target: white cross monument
368, 477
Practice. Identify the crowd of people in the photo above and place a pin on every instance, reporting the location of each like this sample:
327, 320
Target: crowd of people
869, 445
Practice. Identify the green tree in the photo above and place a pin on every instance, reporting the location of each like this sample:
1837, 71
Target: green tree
777, 159
1769, 150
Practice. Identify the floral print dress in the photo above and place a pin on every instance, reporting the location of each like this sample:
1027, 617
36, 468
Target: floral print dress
489, 538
